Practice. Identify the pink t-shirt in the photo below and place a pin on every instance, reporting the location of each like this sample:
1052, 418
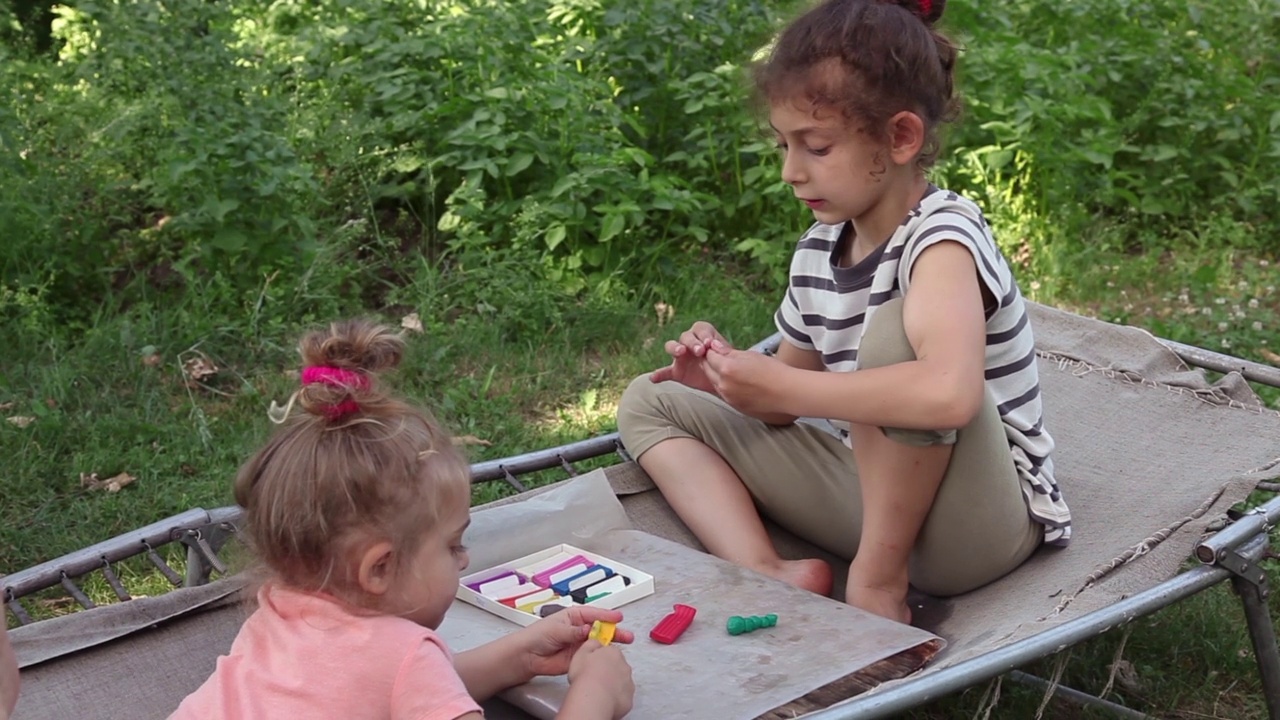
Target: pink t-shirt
302, 655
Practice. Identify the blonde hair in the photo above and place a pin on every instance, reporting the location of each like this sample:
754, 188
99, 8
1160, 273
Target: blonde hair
356, 465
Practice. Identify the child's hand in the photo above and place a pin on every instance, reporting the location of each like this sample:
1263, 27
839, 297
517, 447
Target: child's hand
600, 683
688, 366
743, 378
549, 644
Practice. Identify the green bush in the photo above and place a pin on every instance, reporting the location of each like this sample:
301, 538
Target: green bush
172, 146
1161, 115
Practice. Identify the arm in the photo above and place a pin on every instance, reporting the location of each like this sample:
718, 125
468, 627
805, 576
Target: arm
793, 357
544, 648
943, 388
493, 667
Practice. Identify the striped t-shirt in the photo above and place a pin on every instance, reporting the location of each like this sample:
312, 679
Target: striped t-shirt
827, 307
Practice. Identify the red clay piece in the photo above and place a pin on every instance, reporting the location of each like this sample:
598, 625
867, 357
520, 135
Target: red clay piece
673, 625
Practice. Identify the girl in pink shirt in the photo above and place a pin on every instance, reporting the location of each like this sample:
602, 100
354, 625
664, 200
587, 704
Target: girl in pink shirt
357, 507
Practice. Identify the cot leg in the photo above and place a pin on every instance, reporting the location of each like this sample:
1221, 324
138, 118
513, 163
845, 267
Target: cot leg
1262, 633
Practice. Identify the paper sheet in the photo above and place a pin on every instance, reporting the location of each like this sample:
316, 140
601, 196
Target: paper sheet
707, 672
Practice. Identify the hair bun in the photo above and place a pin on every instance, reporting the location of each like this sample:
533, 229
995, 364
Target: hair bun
360, 345
355, 346
930, 11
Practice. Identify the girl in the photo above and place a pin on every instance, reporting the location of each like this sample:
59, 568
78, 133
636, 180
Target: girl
902, 324
357, 509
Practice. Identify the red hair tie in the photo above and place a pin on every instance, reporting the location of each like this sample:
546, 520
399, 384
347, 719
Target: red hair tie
339, 378
926, 7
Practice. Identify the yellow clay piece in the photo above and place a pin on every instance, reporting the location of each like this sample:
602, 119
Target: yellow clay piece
602, 631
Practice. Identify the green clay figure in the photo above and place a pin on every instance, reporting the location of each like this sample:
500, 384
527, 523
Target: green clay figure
739, 625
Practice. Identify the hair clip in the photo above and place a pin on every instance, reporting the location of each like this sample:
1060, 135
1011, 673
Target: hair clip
339, 378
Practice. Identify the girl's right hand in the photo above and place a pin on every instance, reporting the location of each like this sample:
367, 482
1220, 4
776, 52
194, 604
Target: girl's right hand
688, 358
600, 684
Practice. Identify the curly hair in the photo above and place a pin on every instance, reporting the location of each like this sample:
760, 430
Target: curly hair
868, 59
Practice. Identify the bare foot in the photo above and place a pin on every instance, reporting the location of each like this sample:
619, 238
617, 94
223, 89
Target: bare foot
811, 574
879, 601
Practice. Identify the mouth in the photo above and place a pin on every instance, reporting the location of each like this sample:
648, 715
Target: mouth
813, 204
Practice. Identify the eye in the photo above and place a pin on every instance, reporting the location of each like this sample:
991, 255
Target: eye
820, 151
458, 549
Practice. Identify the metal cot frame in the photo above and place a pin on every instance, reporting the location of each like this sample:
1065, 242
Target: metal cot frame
1232, 554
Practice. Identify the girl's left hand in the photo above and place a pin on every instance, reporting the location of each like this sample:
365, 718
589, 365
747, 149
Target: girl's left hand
550, 643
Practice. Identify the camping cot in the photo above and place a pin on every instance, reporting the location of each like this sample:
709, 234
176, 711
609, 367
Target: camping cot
1153, 457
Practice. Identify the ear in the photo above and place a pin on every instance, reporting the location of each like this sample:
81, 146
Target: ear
376, 568
906, 137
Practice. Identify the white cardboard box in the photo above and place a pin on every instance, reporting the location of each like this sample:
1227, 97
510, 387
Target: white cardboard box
641, 583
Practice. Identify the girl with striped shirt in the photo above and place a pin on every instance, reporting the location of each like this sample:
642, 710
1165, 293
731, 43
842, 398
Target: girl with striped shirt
902, 327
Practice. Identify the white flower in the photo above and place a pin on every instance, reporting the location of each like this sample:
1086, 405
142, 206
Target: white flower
1257, 325
1253, 303
1184, 298
1206, 311
1263, 263
1226, 343
1220, 301
1223, 326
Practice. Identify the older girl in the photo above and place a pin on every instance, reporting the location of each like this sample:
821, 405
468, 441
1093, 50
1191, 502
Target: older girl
901, 324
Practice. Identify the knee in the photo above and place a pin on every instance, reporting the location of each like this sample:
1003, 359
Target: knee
884, 341
649, 413
639, 397
639, 406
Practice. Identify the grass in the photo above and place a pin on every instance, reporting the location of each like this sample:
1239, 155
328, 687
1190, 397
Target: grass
115, 399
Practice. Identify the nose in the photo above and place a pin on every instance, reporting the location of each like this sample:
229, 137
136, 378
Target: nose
792, 172
464, 561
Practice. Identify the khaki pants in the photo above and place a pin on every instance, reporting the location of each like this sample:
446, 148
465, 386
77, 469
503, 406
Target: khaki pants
804, 478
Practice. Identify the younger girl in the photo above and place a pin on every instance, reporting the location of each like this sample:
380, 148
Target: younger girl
901, 324
357, 508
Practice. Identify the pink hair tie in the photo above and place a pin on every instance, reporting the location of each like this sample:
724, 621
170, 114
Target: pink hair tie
339, 378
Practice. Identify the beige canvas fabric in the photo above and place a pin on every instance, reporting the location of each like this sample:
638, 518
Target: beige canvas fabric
1149, 455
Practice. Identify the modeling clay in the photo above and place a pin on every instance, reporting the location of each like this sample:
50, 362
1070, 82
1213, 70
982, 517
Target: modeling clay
544, 578
496, 583
600, 589
533, 598
588, 577
550, 608
510, 593
738, 625
535, 608
674, 624
602, 631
